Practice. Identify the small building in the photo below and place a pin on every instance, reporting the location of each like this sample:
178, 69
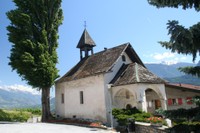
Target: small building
113, 78
180, 95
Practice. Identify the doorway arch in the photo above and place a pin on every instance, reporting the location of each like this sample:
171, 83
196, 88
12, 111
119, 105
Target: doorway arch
153, 100
124, 98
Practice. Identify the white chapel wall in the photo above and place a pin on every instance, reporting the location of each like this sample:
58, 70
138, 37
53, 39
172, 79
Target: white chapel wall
93, 106
59, 106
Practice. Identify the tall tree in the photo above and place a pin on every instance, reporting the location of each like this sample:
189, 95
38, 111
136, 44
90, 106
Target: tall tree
182, 40
34, 33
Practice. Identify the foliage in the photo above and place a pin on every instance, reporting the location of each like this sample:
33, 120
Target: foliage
180, 116
13, 116
185, 128
34, 34
124, 115
33, 31
176, 3
182, 40
196, 100
34, 111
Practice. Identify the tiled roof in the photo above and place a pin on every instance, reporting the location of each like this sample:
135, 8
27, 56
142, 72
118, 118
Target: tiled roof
97, 63
135, 73
183, 86
85, 40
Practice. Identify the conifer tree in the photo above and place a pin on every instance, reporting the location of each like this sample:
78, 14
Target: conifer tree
182, 40
34, 32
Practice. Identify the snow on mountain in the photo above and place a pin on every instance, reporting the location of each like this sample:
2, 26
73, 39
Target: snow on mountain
20, 88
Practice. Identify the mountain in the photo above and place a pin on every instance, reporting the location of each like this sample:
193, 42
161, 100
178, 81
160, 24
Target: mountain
18, 97
172, 74
187, 79
167, 71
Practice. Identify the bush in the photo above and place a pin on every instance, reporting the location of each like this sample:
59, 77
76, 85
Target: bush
185, 128
13, 115
4, 116
122, 115
34, 111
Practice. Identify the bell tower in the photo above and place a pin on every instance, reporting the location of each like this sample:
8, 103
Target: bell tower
85, 44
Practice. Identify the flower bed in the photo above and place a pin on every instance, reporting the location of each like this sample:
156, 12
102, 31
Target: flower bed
80, 122
156, 121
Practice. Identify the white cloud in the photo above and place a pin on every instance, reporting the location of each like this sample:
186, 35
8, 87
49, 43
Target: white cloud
165, 55
22, 88
166, 58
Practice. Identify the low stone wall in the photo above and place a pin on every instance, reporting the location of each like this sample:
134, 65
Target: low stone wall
141, 127
147, 128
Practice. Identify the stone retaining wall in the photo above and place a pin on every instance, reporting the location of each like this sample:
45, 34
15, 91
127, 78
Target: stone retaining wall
148, 129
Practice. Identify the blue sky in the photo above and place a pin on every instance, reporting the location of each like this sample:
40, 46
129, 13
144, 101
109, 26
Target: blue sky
110, 23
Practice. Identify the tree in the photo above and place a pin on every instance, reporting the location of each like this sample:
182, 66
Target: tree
34, 32
182, 40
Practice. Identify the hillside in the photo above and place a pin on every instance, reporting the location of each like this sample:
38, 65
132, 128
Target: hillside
15, 98
171, 73
167, 71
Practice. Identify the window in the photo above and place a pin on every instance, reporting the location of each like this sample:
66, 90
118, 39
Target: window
169, 101
150, 104
123, 58
62, 98
81, 97
127, 95
174, 102
180, 101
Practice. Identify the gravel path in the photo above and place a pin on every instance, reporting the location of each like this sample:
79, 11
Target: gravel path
46, 128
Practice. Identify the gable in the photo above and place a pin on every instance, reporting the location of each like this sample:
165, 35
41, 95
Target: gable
135, 73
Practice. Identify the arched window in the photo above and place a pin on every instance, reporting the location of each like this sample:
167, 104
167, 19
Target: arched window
127, 95
123, 58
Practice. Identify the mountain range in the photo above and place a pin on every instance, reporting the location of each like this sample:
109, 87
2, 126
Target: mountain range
172, 74
15, 97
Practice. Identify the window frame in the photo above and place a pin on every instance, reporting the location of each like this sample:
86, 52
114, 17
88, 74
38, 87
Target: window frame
123, 58
81, 97
62, 98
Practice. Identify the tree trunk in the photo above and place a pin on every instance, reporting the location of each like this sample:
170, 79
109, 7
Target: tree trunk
45, 104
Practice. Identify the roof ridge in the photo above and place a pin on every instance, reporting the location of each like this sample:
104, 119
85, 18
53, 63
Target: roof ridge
111, 48
136, 72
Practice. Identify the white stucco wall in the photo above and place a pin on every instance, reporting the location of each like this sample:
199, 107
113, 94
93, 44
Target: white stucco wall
174, 93
93, 95
60, 107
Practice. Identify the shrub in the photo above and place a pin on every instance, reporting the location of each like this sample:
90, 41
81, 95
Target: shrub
185, 128
13, 115
34, 111
181, 115
122, 115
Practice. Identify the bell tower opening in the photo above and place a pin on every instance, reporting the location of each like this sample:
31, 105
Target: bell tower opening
85, 45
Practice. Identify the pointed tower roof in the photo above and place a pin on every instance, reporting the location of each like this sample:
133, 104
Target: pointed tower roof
85, 40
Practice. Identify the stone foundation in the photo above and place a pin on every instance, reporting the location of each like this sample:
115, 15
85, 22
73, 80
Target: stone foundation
141, 127
148, 129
